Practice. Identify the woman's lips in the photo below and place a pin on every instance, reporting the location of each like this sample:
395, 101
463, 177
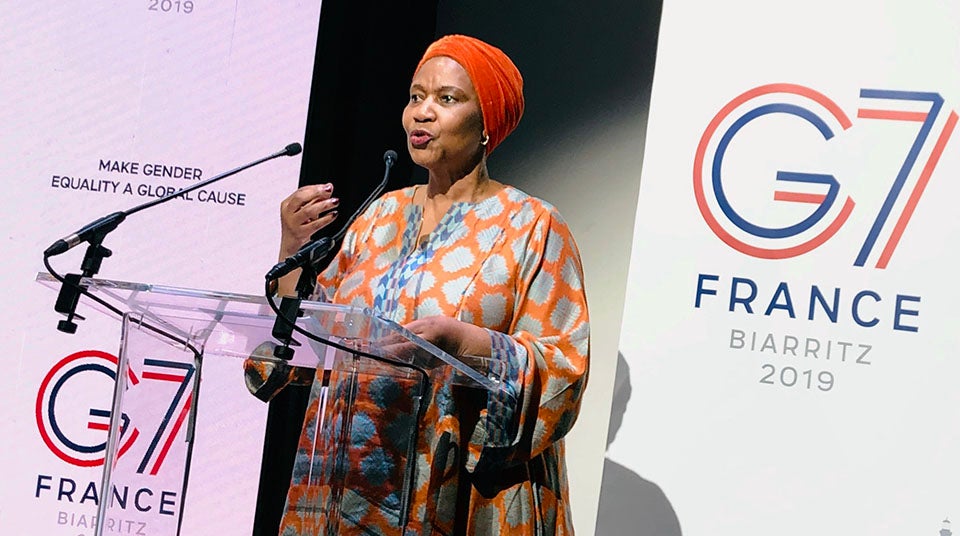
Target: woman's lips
420, 138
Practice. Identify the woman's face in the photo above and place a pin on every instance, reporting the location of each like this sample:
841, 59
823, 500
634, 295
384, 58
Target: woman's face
442, 118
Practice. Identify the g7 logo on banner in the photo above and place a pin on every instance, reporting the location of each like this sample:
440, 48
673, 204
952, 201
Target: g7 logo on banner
831, 208
73, 422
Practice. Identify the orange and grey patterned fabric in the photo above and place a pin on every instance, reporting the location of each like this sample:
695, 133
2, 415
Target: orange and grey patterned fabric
484, 466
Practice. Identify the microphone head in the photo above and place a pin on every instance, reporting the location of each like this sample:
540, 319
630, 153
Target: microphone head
293, 149
390, 157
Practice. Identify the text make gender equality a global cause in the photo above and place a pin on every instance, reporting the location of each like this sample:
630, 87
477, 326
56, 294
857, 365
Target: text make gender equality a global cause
155, 176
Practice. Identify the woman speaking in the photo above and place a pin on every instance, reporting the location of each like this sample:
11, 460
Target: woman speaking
477, 268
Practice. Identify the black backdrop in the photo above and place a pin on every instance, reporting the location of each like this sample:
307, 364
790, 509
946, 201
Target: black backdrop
366, 55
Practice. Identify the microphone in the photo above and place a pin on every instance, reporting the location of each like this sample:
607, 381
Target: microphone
96, 230
390, 158
292, 150
315, 250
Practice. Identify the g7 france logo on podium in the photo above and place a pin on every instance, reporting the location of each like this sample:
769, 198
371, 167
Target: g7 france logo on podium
73, 414
819, 206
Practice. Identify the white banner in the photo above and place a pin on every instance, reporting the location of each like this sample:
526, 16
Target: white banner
790, 327
107, 105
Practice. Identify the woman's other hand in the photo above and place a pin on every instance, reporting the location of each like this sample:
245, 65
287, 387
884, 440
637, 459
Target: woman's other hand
452, 336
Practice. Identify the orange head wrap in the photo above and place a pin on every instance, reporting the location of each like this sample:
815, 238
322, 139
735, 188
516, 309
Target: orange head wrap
496, 79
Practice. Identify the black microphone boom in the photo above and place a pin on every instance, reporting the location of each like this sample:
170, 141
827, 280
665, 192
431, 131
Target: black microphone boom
96, 231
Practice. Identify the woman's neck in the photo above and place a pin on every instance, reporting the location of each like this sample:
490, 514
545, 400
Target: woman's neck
470, 187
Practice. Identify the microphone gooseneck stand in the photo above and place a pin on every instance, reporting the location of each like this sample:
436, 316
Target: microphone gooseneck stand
290, 306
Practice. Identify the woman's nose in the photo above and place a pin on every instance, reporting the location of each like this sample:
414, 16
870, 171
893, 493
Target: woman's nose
424, 111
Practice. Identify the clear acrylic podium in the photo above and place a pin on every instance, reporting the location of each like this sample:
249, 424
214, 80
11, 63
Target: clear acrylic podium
171, 337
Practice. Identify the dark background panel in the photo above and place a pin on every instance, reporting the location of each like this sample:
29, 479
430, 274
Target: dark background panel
366, 53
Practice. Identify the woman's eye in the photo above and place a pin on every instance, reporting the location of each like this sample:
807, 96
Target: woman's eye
414, 98
447, 99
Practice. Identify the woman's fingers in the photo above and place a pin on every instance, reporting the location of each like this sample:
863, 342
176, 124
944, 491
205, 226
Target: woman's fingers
305, 195
291, 209
313, 226
305, 211
313, 210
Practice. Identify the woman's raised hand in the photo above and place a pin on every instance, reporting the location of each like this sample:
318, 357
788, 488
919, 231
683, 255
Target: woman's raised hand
303, 213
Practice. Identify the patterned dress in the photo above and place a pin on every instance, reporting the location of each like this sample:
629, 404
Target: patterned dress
484, 467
